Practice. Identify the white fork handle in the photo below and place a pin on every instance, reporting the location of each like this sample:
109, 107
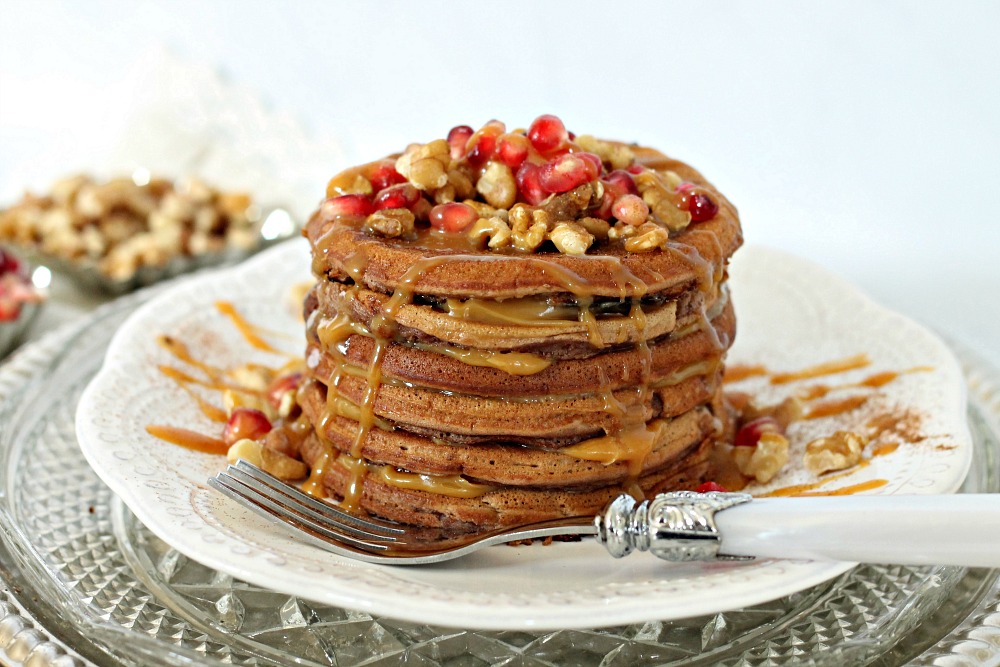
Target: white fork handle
961, 529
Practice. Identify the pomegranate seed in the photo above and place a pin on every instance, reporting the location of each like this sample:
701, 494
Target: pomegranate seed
685, 187
710, 486
397, 196
8, 263
547, 133
384, 175
513, 149
452, 217
529, 184
482, 145
347, 205
612, 191
245, 423
636, 168
750, 433
630, 209
701, 207
597, 166
458, 137
624, 180
565, 173
482, 150
281, 386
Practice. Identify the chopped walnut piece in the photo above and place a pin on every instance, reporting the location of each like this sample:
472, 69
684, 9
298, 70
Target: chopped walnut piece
425, 165
789, 410
597, 227
570, 205
492, 232
617, 155
529, 227
661, 202
571, 238
835, 452
390, 223
765, 460
620, 231
269, 460
649, 236
497, 185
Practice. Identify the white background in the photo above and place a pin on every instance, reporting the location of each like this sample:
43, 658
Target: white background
864, 136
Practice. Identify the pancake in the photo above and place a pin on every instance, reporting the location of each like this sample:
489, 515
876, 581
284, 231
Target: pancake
513, 327
491, 506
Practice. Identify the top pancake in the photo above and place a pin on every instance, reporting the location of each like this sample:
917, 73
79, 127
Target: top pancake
696, 255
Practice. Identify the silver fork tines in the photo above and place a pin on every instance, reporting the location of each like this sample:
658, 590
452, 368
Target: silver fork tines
257, 490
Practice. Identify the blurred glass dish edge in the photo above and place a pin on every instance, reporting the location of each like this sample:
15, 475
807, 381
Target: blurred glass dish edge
276, 224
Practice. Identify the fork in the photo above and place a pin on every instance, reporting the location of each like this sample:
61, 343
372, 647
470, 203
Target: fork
962, 529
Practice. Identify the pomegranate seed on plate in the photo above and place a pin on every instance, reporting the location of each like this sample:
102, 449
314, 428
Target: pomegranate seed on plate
635, 168
245, 423
547, 133
749, 435
452, 217
384, 175
397, 196
347, 205
710, 486
281, 386
458, 137
8, 263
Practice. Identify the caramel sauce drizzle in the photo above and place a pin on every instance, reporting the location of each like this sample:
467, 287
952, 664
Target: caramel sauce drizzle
819, 370
188, 439
836, 407
249, 331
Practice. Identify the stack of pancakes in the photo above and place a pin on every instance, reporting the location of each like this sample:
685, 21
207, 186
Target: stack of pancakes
461, 388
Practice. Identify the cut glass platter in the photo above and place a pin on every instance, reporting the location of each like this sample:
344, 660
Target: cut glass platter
86, 583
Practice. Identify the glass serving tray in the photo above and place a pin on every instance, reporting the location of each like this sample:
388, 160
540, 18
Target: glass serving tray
82, 572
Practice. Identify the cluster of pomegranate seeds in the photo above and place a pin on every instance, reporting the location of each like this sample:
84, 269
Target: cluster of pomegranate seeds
750, 433
245, 423
711, 486
545, 161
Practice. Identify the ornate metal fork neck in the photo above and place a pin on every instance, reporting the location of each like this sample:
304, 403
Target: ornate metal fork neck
676, 526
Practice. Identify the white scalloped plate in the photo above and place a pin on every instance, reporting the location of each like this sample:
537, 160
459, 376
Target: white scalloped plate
791, 315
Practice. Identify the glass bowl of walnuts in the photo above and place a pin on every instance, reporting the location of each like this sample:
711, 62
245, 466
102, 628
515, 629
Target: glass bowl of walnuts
115, 235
